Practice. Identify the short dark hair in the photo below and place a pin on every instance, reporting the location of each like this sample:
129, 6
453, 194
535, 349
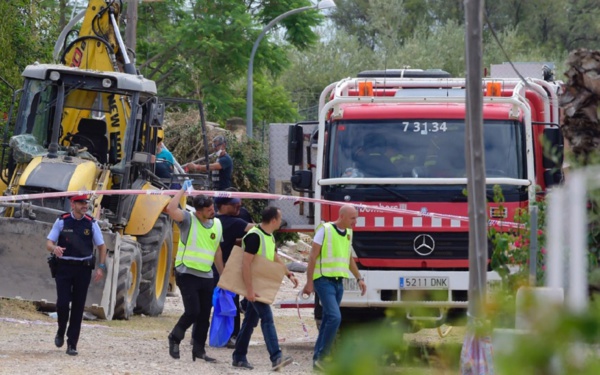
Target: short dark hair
223, 201
269, 213
202, 201
219, 140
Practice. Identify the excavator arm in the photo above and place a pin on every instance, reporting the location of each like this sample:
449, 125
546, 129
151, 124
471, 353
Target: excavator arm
98, 46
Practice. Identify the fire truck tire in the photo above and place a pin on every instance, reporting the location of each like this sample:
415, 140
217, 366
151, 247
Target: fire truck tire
157, 250
128, 283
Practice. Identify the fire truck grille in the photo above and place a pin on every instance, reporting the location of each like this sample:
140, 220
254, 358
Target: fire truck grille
413, 246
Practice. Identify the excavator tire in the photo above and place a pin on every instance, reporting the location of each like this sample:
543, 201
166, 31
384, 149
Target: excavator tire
157, 250
128, 284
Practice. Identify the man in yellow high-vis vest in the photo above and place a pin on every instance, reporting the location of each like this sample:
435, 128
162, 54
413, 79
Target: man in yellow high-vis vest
260, 242
199, 247
331, 261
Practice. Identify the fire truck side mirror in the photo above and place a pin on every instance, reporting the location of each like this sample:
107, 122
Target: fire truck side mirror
295, 144
301, 180
553, 138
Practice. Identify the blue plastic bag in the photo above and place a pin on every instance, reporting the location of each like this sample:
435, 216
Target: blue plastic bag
224, 313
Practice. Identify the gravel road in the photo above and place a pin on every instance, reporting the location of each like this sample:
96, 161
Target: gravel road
139, 346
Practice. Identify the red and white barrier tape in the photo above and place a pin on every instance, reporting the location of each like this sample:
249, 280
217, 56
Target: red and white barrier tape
284, 255
266, 196
300, 295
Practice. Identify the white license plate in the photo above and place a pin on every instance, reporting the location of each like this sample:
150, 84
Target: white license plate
424, 282
350, 284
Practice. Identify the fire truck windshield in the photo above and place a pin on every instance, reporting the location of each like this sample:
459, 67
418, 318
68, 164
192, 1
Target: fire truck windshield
421, 149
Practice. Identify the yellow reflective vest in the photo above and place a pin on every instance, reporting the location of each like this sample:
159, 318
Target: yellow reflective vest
334, 260
201, 245
267, 244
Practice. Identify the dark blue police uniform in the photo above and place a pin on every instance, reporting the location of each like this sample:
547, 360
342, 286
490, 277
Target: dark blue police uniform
73, 274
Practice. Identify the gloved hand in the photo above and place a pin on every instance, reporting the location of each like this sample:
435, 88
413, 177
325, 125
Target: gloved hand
187, 186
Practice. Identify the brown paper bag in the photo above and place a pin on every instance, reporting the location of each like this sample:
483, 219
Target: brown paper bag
266, 276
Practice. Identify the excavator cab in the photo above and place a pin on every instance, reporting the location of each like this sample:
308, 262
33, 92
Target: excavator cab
89, 124
82, 130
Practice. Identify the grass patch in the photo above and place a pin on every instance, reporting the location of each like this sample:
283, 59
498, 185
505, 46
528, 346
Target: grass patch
19, 309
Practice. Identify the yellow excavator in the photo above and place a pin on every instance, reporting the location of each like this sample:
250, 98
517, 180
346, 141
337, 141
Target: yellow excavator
89, 123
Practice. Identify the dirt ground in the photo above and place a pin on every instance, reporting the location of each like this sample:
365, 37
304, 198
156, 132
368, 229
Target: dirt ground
139, 346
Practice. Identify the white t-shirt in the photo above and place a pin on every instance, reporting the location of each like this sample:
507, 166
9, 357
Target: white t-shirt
321, 234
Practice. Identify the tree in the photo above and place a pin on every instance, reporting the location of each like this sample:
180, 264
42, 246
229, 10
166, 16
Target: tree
27, 34
339, 55
201, 49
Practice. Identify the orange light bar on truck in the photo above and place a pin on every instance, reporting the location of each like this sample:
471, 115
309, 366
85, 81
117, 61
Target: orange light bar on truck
365, 88
493, 89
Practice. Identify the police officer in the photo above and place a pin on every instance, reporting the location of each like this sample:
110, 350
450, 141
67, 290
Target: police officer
72, 240
199, 247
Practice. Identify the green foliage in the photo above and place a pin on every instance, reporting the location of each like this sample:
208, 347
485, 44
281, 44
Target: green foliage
204, 53
593, 211
335, 57
444, 46
250, 171
562, 343
283, 237
368, 349
27, 34
511, 246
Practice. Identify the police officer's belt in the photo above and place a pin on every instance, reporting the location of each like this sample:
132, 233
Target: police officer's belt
85, 263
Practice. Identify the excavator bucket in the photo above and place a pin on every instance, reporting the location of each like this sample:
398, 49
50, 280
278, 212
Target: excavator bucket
25, 274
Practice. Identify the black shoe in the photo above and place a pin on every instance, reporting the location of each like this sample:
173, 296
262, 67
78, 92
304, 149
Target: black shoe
202, 355
231, 343
71, 350
173, 348
281, 362
59, 340
243, 364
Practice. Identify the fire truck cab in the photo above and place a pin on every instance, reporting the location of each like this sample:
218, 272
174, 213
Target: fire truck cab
392, 142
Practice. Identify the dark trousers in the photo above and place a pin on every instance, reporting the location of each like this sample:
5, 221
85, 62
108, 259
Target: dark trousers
72, 283
237, 320
256, 311
196, 294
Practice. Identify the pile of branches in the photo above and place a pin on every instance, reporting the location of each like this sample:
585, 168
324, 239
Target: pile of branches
183, 135
580, 103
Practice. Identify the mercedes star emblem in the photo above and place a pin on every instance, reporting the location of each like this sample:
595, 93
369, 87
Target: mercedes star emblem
424, 244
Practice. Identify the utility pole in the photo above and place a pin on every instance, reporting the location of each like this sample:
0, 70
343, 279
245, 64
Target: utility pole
131, 29
476, 351
475, 158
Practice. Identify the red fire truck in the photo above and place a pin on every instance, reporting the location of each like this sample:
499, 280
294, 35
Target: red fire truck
395, 139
